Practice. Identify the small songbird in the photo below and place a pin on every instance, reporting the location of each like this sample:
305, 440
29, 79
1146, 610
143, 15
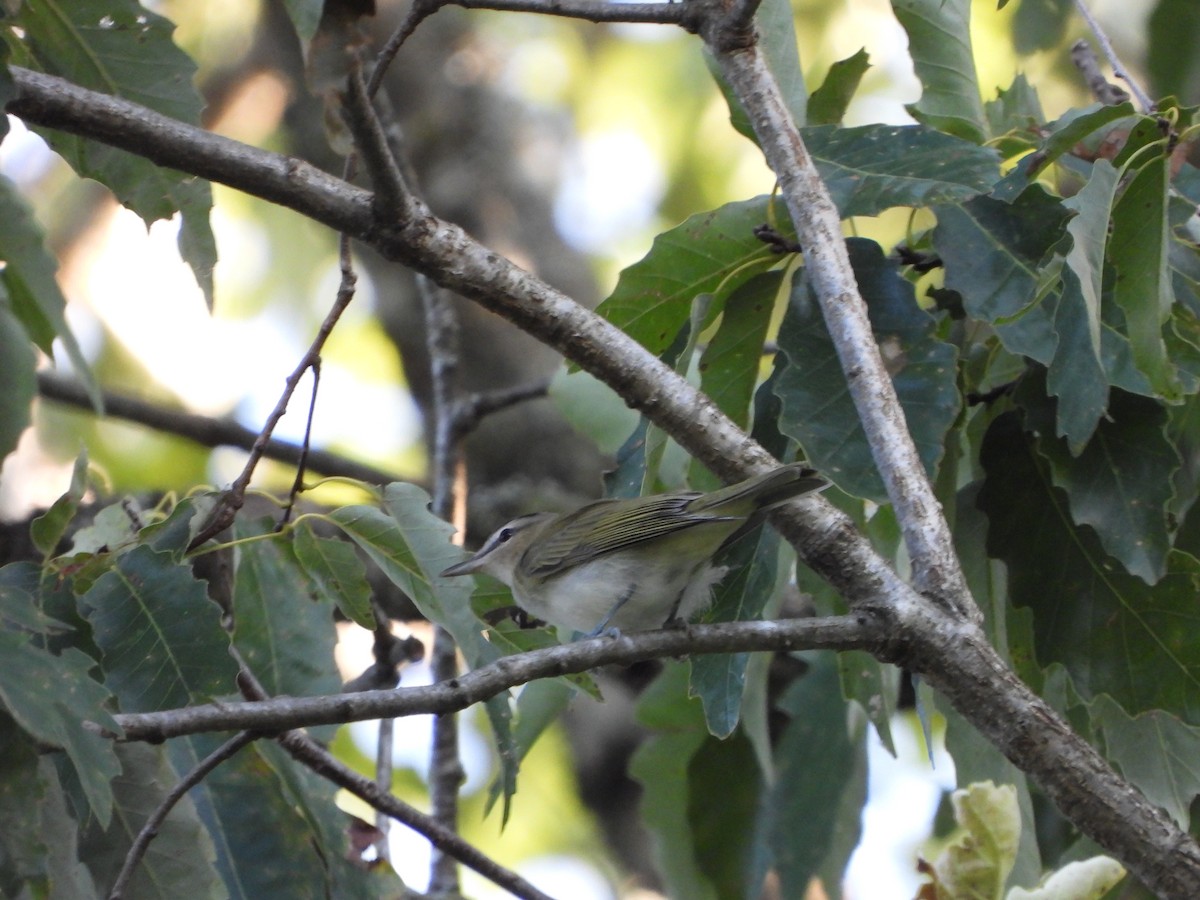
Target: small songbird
629, 565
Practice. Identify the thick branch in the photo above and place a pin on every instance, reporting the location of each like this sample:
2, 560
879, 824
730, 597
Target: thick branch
284, 713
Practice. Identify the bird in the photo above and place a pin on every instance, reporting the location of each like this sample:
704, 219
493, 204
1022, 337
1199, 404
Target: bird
629, 564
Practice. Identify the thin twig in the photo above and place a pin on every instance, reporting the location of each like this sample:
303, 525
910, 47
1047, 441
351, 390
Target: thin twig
1110, 54
302, 463
305, 750
204, 430
150, 829
471, 409
393, 200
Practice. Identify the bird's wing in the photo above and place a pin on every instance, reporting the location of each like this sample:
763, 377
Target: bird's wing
604, 527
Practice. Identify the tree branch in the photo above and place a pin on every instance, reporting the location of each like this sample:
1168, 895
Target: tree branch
1119, 70
204, 430
285, 713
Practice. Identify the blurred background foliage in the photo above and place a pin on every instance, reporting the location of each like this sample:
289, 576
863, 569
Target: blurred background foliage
566, 146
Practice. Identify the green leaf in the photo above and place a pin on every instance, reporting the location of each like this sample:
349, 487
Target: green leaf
719, 679
18, 383
1086, 879
1112, 632
1138, 250
828, 103
1173, 29
977, 861
875, 167
52, 697
283, 632
1040, 24
48, 529
264, 846
163, 645
1015, 109
179, 861
1121, 484
993, 252
336, 573
28, 277
660, 764
729, 364
939, 41
815, 767
1155, 751
1076, 374
722, 831
710, 253
817, 409
119, 47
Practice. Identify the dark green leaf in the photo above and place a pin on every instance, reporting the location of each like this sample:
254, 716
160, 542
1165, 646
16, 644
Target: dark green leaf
162, 642
305, 16
729, 364
828, 103
1173, 32
1138, 251
722, 831
661, 765
336, 573
28, 277
52, 697
1121, 484
48, 529
875, 167
18, 383
710, 253
179, 861
265, 848
817, 409
1112, 632
281, 630
815, 764
1015, 109
1076, 374
939, 41
1154, 751
719, 679
121, 48
1040, 24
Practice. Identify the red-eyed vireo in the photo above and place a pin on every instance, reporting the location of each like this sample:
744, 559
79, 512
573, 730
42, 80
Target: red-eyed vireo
629, 565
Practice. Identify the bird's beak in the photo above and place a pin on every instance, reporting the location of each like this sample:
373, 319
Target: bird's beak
466, 567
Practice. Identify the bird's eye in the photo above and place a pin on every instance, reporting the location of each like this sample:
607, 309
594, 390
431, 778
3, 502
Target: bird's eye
504, 535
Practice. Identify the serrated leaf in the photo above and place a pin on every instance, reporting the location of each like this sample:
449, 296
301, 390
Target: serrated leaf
179, 861
282, 630
1138, 250
1121, 484
875, 167
710, 252
28, 277
1155, 751
817, 408
1015, 109
336, 573
48, 529
52, 697
939, 41
1076, 375
828, 103
162, 643
264, 846
1112, 632
121, 48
